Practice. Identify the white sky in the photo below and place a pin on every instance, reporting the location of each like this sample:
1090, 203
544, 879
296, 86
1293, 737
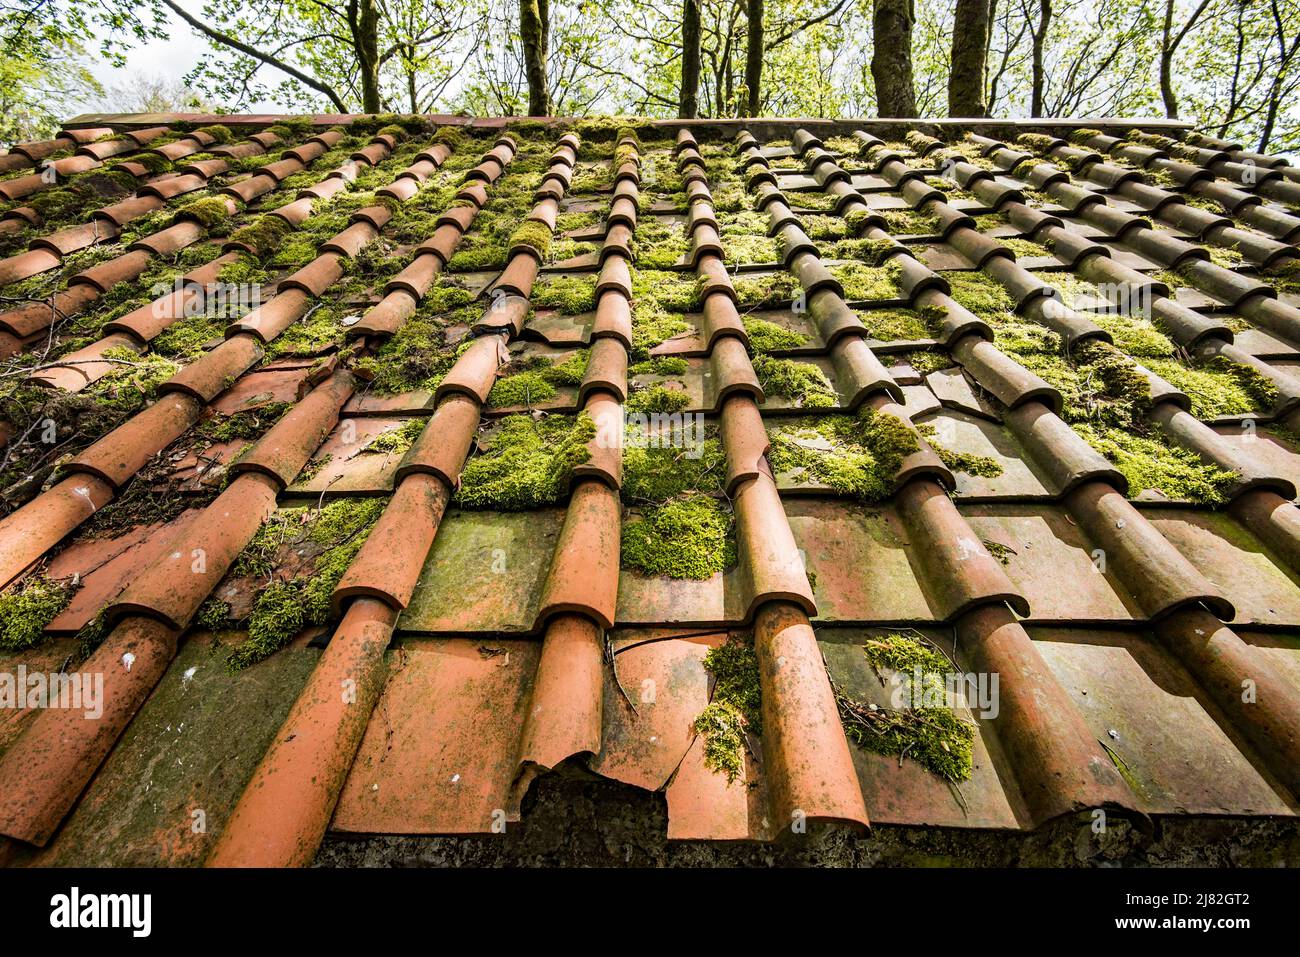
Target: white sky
170, 59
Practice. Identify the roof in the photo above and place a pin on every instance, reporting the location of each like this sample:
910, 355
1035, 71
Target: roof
801, 472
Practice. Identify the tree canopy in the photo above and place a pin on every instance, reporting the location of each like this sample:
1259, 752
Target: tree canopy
1228, 65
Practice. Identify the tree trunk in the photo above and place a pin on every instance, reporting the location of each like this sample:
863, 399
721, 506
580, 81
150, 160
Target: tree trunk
534, 30
1167, 63
891, 58
689, 104
970, 41
754, 55
1040, 38
365, 33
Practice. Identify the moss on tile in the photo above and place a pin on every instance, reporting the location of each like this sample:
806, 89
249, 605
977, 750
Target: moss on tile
1154, 462
934, 737
772, 289
659, 365
802, 382
895, 325
658, 473
659, 243
864, 282
872, 252
735, 708
979, 293
858, 456
397, 441
284, 607
1219, 387
765, 336
571, 295
526, 463
910, 222
967, 462
689, 538
1025, 248
657, 398
27, 607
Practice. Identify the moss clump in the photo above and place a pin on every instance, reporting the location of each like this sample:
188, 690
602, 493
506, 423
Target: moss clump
735, 708
658, 398
895, 325
28, 607
1219, 387
765, 290
286, 606
1026, 248
571, 295
854, 455
1152, 463
765, 336
909, 222
660, 365
652, 325
979, 294
934, 737
802, 382
659, 243
397, 441
527, 462
242, 426
872, 252
684, 538
863, 282
658, 473
211, 213
478, 258
537, 378
967, 462
666, 291
533, 236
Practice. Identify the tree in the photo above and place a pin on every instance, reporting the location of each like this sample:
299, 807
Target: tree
754, 55
1039, 38
970, 40
534, 26
891, 58
689, 103
1169, 42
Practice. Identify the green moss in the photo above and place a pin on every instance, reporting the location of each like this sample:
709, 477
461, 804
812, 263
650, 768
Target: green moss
967, 462
537, 378
909, 222
873, 252
857, 456
825, 227
242, 426
659, 243
211, 213
802, 382
658, 473
1156, 463
979, 294
765, 336
1025, 248
571, 295
534, 236
660, 365
934, 737
658, 398
285, 607
684, 538
864, 282
28, 607
667, 291
894, 325
652, 325
397, 441
1081, 136
526, 463
765, 290
735, 708
1219, 387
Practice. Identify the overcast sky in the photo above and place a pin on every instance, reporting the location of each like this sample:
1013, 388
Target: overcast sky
170, 59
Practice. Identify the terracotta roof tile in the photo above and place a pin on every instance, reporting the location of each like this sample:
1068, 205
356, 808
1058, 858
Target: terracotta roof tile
1088, 377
